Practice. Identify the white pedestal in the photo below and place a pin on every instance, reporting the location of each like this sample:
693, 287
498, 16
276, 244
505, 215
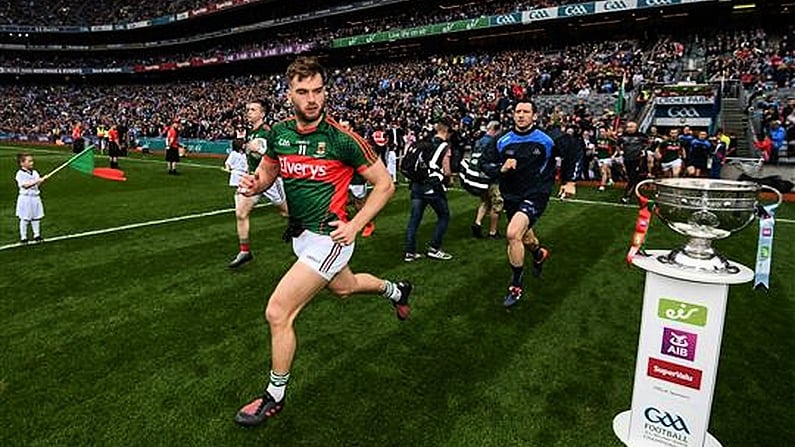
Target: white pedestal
678, 351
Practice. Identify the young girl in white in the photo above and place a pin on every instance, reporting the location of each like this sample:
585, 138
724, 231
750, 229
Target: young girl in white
30, 210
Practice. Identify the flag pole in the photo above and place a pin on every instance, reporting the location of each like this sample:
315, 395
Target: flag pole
66, 163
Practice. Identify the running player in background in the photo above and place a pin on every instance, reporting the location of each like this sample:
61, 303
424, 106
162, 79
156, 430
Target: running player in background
524, 161
700, 152
255, 146
317, 159
670, 153
605, 150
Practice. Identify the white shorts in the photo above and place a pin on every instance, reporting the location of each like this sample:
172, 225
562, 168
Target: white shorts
321, 253
30, 207
359, 191
276, 192
605, 162
671, 164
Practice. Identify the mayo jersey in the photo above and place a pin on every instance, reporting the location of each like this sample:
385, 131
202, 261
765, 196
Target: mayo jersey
317, 165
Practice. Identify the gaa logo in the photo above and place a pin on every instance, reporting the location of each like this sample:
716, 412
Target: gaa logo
683, 112
615, 5
575, 10
539, 14
507, 19
658, 2
666, 419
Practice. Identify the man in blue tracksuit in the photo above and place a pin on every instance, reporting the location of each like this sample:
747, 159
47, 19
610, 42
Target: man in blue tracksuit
524, 161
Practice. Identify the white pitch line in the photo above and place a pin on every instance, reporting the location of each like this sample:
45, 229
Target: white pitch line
123, 159
130, 226
620, 205
229, 210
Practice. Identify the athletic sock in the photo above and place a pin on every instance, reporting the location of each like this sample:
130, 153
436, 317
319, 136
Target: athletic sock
36, 224
537, 254
517, 276
391, 291
277, 385
23, 229
245, 245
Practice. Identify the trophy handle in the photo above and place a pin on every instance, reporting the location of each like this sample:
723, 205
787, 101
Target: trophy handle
637, 188
774, 191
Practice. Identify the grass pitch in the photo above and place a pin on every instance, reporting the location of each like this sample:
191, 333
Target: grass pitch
143, 337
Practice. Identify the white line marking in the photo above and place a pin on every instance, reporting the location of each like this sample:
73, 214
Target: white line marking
617, 205
229, 210
122, 159
131, 226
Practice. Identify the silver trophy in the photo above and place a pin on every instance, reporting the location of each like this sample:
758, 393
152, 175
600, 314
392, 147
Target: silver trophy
704, 210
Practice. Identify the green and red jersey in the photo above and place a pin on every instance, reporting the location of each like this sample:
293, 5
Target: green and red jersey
605, 147
670, 150
317, 165
254, 157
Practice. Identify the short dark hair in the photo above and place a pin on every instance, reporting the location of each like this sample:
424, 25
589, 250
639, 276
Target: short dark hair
305, 67
526, 101
264, 103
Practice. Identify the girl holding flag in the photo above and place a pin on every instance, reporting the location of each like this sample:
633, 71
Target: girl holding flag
30, 209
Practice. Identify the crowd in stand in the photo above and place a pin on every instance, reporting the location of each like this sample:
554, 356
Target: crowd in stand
412, 92
752, 57
74, 12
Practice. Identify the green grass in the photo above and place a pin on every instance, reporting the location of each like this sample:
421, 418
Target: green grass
142, 337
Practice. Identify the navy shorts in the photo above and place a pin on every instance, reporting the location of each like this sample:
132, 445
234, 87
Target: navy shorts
533, 208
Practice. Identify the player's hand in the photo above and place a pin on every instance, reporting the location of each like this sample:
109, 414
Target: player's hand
248, 185
508, 165
345, 234
567, 190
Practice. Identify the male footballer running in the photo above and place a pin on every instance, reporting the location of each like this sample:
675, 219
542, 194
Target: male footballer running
316, 159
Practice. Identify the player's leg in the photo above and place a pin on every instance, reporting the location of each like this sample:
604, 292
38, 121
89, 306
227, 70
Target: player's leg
296, 288
277, 196
539, 253
496, 202
243, 207
518, 225
483, 208
347, 283
23, 230
418, 204
438, 202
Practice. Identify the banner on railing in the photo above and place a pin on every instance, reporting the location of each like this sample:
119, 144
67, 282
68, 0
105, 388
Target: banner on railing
411, 33
525, 17
217, 147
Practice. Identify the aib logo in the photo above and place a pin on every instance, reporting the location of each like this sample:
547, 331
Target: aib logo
682, 312
679, 344
665, 419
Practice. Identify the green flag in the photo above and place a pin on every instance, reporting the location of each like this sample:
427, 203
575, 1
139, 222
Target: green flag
84, 161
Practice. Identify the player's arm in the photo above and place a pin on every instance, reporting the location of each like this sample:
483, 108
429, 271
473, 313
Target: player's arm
30, 184
490, 162
359, 155
262, 179
383, 188
571, 157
